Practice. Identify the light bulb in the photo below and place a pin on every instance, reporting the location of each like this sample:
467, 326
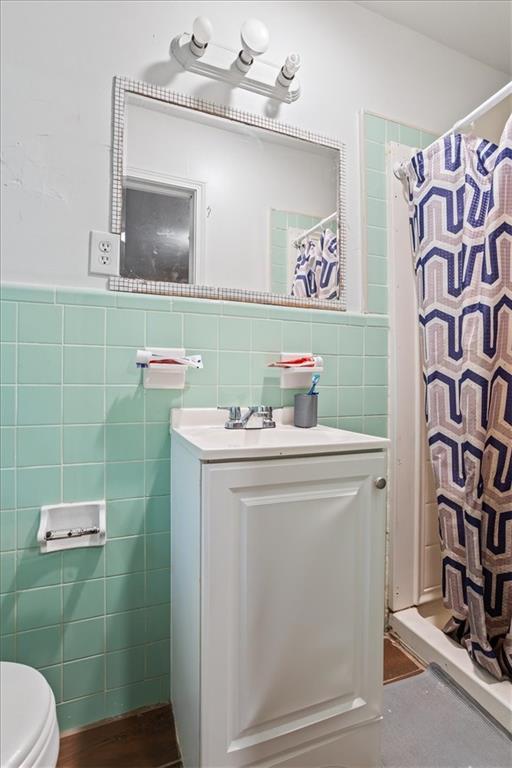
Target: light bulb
255, 39
255, 36
289, 69
291, 65
202, 31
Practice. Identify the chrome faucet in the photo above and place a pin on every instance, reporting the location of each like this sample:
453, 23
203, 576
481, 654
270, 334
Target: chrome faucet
237, 421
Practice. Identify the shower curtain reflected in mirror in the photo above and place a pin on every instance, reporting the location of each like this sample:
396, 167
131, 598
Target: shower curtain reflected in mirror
317, 272
460, 195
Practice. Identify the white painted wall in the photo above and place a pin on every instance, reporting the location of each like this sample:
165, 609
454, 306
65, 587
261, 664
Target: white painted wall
245, 172
58, 60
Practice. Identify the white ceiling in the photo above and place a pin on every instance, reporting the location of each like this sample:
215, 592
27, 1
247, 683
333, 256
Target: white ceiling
481, 29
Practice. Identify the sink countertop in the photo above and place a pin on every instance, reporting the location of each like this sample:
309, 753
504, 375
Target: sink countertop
202, 429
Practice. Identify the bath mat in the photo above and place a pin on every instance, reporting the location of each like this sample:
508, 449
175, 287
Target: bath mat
430, 723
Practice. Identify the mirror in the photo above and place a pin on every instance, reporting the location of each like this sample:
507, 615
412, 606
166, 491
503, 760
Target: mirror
217, 203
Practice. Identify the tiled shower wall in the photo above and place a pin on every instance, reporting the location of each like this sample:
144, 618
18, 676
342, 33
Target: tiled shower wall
377, 133
78, 425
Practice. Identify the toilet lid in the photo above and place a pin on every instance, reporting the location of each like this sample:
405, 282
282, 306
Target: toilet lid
26, 704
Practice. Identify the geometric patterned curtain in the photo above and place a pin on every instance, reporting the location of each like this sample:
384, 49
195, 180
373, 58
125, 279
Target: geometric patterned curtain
317, 269
460, 195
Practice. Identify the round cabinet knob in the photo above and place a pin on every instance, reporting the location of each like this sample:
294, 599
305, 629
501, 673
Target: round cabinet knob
381, 483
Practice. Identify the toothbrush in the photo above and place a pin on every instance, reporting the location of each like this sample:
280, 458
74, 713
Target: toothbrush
314, 381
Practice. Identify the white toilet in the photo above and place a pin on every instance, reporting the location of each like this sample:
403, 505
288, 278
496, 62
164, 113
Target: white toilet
29, 733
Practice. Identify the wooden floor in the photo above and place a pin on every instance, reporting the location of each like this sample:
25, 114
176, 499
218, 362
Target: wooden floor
398, 663
143, 740
147, 738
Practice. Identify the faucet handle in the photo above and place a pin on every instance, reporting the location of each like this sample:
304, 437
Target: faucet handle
235, 413
265, 412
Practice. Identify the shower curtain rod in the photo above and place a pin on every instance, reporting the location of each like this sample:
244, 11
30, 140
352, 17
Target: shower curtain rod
486, 106
309, 231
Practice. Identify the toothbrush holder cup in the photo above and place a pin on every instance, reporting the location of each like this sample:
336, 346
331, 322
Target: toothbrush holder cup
306, 411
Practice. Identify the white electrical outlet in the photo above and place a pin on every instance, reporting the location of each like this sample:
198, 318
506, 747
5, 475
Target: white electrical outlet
104, 253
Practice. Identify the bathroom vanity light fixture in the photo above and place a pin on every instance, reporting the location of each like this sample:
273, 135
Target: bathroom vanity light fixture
242, 68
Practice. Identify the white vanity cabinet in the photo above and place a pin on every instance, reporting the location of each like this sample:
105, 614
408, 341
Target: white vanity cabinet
277, 604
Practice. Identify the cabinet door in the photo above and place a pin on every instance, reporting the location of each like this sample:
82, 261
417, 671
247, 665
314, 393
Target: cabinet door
292, 606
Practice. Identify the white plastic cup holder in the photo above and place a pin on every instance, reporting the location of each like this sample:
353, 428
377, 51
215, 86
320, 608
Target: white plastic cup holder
165, 376
299, 377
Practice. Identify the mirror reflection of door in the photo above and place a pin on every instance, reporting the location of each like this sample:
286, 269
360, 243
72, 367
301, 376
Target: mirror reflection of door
158, 232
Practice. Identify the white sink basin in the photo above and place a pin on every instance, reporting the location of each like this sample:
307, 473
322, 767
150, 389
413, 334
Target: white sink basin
204, 432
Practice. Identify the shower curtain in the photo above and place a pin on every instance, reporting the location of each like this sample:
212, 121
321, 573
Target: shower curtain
317, 274
460, 196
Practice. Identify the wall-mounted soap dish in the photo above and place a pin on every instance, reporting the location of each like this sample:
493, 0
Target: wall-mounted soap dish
298, 376
68, 526
165, 375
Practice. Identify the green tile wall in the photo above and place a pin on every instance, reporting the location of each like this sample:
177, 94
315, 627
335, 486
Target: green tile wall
78, 425
377, 133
